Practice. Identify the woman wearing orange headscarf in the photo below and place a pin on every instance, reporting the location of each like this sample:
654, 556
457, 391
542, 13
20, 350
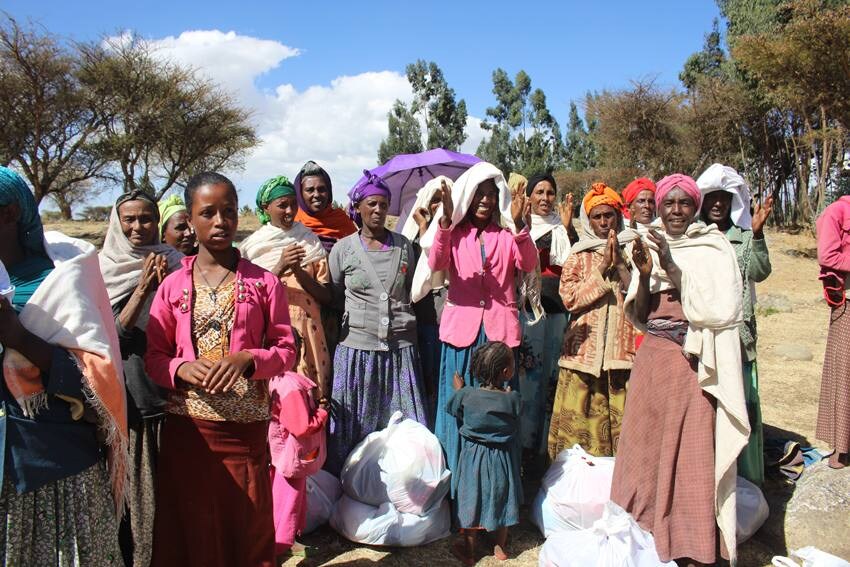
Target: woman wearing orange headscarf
599, 346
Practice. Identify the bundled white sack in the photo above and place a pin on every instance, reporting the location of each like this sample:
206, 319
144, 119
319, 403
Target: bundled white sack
574, 491
615, 540
384, 525
751, 509
545, 518
323, 492
402, 464
811, 557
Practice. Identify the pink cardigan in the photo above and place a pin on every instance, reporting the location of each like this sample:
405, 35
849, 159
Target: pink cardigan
481, 293
290, 411
261, 324
833, 228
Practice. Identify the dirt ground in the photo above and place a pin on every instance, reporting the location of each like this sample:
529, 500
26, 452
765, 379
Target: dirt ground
789, 394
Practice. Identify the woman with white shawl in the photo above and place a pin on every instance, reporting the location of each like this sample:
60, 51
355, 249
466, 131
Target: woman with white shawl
481, 241
295, 254
428, 309
543, 333
134, 262
686, 421
726, 203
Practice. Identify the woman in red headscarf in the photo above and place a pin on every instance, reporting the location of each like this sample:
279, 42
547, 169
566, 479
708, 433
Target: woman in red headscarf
598, 348
639, 200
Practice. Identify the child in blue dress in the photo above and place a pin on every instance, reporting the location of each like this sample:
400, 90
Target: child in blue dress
487, 479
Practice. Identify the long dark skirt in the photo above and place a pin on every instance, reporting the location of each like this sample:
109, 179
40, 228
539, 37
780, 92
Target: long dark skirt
834, 407
213, 495
137, 524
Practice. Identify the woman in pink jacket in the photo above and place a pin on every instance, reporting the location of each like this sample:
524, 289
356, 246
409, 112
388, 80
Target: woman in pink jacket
481, 258
833, 228
218, 330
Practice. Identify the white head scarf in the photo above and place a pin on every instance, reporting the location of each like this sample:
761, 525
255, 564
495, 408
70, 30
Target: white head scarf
121, 263
720, 177
463, 191
423, 198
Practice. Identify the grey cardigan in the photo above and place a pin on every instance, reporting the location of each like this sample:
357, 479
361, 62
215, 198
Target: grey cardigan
377, 314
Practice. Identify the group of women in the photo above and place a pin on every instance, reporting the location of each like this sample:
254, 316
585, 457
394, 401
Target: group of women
632, 336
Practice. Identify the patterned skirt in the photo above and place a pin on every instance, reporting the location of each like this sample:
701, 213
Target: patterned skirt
834, 407
538, 374
137, 525
664, 472
70, 522
369, 386
588, 411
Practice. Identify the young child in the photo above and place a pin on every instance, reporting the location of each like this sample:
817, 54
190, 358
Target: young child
487, 478
294, 412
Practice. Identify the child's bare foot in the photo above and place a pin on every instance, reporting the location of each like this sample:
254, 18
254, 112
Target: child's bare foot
461, 551
499, 553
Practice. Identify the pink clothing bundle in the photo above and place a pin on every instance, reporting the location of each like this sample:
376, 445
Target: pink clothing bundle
293, 413
481, 291
260, 326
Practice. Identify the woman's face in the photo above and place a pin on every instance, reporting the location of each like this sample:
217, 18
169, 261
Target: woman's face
315, 193
603, 218
484, 201
642, 209
373, 212
282, 211
435, 202
543, 198
138, 221
215, 216
178, 234
716, 207
677, 211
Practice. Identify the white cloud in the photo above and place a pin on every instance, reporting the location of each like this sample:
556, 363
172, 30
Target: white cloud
339, 125
474, 135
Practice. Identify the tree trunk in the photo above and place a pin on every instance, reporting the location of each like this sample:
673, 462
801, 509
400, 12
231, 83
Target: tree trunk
64, 206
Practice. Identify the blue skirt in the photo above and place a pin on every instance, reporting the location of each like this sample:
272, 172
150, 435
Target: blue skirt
488, 485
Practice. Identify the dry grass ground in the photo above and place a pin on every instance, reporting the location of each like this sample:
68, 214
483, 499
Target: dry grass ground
789, 393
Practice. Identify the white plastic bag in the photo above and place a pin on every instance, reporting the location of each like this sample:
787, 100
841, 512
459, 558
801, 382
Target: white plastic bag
577, 486
384, 525
7, 290
811, 557
323, 492
751, 507
402, 464
545, 518
615, 540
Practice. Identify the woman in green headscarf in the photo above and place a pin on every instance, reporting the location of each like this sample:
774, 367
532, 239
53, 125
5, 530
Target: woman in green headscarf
291, 251
174, 227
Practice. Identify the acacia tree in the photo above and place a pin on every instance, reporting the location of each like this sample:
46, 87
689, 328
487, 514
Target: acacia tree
50, 117
165, 123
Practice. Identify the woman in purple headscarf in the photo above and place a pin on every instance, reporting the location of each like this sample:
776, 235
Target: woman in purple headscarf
376, 364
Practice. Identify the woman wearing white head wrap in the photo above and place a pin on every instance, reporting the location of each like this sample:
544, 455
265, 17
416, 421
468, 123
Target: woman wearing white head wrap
726, 203
478, 244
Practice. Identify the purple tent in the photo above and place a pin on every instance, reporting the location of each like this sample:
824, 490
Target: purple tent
405, 174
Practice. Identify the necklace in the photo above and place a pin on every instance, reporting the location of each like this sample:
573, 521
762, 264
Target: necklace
214, 290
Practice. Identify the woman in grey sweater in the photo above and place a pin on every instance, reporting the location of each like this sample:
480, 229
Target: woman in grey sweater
376, 365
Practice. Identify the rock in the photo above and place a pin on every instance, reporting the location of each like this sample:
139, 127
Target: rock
774, 303
818, 512
792, 351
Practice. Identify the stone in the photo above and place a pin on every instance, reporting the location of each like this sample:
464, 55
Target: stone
818, 512
792, 351
774, 303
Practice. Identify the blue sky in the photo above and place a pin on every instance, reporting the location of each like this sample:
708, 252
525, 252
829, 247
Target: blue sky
321, 75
